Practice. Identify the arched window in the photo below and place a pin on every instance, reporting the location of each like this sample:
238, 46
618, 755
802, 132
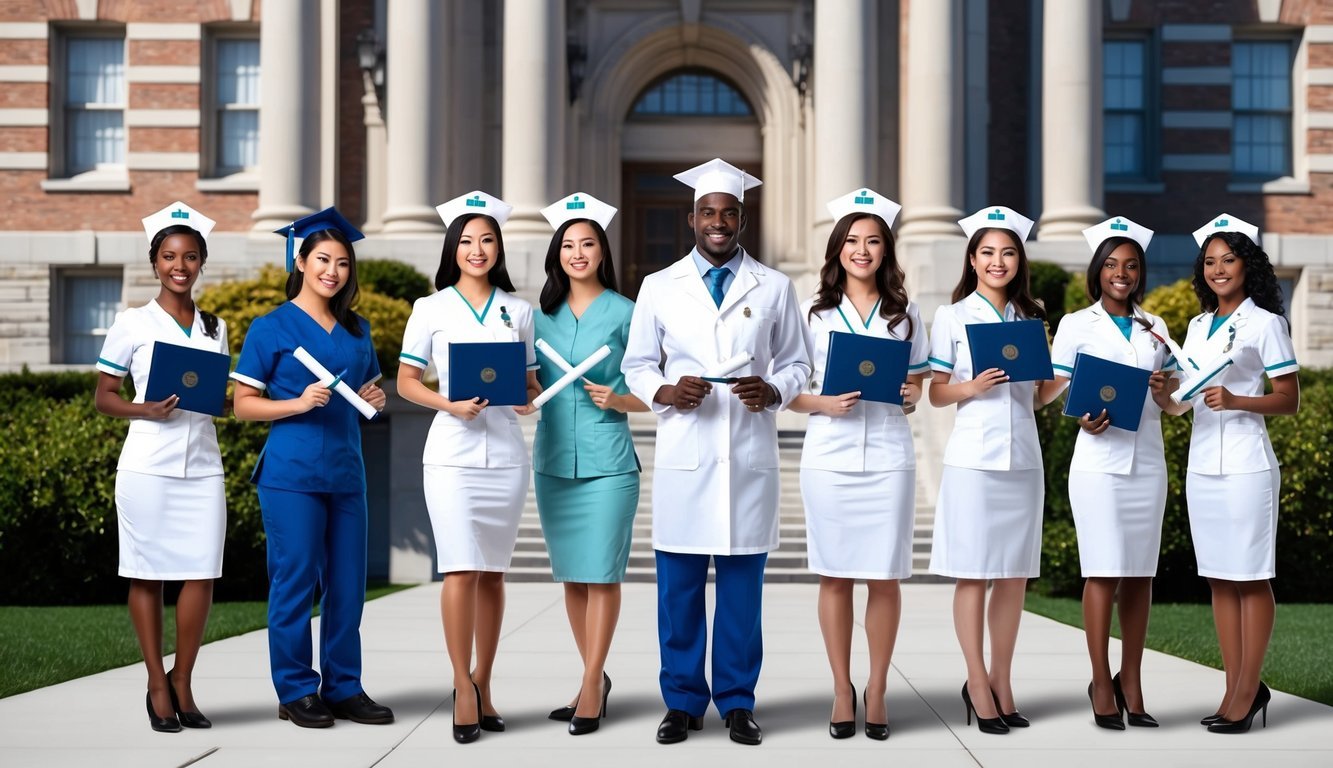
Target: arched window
691, 94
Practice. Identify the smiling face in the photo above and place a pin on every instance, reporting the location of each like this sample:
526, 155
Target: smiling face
995, 259
1121, 273
325, 269
1224, 271
478, 248
580, 252
862, 250
178, 262
717, 221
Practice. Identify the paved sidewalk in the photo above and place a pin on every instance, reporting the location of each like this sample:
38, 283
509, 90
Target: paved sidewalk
100, 720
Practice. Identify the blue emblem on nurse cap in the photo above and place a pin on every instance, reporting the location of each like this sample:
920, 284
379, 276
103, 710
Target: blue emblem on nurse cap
1119, 226
575, 204
996, 215
180, 213
864, 198
475, 202
1221, 222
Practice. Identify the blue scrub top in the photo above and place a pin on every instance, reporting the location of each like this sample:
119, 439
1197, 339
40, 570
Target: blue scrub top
319, 450
575, 438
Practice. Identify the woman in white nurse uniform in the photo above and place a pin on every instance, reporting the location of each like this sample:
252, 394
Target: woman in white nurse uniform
171, 511
858, 466
1233, 482
988, 517
1117, 478
476, 467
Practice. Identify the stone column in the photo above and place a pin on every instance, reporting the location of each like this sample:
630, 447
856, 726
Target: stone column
408, 204
1071, 119
289, 102
932, 152
376, 158
844, 77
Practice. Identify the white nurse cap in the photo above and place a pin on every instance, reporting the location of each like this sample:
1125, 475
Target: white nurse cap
1226, 223
475, 201
579, 205
177, 213
718, 176
864, 201
997, 217
1118, 227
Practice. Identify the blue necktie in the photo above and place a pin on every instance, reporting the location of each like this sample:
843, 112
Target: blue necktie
715, 277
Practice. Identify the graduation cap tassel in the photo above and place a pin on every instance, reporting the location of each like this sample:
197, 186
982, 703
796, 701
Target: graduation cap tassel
291, 244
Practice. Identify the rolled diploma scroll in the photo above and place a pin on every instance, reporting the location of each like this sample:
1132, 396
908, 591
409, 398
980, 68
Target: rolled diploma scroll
341, 387
729, 366
571, 376
554, 356
1195, 384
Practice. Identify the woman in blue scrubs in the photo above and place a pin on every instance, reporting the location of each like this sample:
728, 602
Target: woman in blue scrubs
311, 477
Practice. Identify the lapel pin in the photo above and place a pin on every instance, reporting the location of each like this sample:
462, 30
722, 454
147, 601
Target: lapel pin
746, 312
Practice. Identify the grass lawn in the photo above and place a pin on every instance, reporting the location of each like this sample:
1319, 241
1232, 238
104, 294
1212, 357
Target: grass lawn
41, 646
1300, 657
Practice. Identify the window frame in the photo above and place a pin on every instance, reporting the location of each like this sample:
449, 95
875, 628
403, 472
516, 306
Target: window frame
1295, 132
60, 279
666, 77
58, 139
1151, 111
211, 172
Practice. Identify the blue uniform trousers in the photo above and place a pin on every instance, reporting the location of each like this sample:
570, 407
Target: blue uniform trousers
682, 630
315, 539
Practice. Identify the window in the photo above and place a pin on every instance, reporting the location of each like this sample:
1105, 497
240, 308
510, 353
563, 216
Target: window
1261, 100
1125, 109
692, 94
233, 124
86, 304
94, 104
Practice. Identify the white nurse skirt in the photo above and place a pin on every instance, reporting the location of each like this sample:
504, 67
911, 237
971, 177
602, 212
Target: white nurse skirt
474, 514
1233, 522
859, 524
170, 528
1119, 520
988, 524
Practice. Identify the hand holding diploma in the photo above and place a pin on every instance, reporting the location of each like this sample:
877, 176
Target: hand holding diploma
327, 379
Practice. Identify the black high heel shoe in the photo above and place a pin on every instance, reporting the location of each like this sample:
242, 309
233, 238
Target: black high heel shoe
566, 712
581, 725
1216, 717
876, 731
1260, 704
844, 729
984, 724
1013, 719
161, 724
469, 732
194, 719
1110, 722
1136, 719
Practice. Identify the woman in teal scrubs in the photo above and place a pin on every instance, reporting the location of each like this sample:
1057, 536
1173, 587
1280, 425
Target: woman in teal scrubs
586, 472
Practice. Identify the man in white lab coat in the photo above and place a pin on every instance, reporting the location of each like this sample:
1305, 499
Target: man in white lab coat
716, 346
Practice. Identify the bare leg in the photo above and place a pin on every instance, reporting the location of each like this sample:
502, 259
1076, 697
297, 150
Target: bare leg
969, 623
145, 603
835, 621
490, 615
883, 611
1135, 603
458, 608
196, 598
1006, 610
603, 611
1098, 595
1257, 611
576, 608
1226, 620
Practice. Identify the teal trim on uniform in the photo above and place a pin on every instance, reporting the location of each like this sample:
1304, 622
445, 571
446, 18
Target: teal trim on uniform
1207, 379
1283, 364
992, 306
1062, 367
918, 366
1218, 322
865, 324
110, 364
938, 361
413, 358
1125, 324
1172, 362
481, 318
185, 329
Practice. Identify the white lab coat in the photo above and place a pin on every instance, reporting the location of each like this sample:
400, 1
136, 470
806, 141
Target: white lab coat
715, 484
1092, 331
185, 444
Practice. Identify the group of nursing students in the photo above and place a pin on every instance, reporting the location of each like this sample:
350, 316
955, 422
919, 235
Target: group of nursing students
857, 466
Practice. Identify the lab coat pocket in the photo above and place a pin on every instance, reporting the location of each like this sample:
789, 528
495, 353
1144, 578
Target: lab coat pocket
678, 442
1244, 447
899, 452
763, 446
753, 331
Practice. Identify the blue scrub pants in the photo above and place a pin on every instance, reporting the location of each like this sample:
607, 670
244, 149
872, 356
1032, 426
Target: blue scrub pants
315, 539
682, 630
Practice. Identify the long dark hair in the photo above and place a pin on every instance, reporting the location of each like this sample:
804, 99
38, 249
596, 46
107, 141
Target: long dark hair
889, 277
449, 271
1019, 289
342, 302
557, 282
1260, 281
210, 319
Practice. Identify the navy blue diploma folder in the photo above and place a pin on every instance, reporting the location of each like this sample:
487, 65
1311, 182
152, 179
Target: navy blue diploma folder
198, 377
495, 371
1018, 348
1099, 384
874, 366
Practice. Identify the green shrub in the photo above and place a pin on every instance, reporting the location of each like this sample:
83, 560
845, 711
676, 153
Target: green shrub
1176, 304
1048, 285
1076, 294
395, 279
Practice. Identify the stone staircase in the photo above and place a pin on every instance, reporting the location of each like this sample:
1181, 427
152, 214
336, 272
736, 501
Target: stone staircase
787, 564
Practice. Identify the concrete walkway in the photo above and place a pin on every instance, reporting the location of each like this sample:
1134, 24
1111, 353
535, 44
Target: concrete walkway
100, 720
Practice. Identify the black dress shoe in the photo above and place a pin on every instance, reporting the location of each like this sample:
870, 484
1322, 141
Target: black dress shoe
676, 726
307, 712
581, 725
1013, 719
1136, 719
492, 723
468, 732
1109, 722
564, 714
161, 724
744, 730
187, 719
361, 709
844, 729
876, 731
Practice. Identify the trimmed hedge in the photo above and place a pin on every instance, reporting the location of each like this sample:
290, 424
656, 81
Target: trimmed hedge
395, 279
1048, 285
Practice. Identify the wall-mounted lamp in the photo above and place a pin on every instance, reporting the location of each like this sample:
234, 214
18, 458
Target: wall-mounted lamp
801, 56
370, 56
